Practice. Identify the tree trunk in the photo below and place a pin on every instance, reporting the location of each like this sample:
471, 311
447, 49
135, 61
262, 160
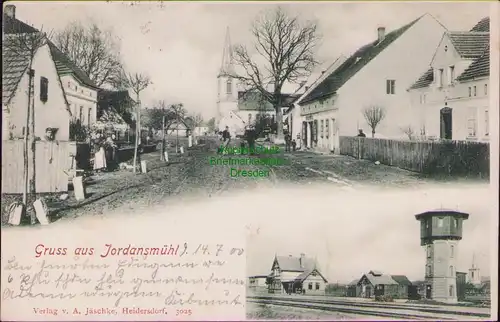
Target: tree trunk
33, 144
137, 132
373, 133
162, 157
26, 145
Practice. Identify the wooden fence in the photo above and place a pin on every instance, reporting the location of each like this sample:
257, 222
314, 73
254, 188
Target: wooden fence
53, 162
461, 158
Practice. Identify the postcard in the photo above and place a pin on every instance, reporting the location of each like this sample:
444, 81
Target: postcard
232, 161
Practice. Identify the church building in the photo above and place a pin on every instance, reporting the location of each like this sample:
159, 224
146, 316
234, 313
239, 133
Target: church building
237, 107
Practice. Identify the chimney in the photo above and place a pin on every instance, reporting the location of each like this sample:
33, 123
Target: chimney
306, 88
381, 33
10, 10
302, 260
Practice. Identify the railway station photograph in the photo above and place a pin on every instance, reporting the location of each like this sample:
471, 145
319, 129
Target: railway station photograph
391, 254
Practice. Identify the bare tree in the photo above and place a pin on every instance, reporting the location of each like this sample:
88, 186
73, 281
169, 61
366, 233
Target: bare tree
25, 45
286, 48
95, 51
409, 131
373, 116
197, 120
137, 83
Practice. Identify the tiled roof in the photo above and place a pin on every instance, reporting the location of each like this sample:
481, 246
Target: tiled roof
65, 66
380, 279
482, 26
292, 264
306, 274
401, 279
352, 65
14, 66
470, 44
425, 80
478, 68
250, 101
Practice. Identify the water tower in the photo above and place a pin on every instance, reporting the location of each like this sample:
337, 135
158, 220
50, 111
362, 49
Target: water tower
440, 231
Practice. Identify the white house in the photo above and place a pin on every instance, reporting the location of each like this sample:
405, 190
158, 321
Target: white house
50, 105
81, 91
377, 74
450, 100
290, 274
257, 283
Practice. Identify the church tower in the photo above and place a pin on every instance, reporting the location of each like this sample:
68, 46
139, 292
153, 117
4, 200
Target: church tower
474, 272
227, 93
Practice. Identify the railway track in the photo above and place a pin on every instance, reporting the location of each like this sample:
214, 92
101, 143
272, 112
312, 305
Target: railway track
386, 310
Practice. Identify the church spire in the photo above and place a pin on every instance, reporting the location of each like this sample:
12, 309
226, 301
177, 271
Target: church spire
227, 56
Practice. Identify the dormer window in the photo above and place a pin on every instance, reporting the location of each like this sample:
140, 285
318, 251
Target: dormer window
229, 86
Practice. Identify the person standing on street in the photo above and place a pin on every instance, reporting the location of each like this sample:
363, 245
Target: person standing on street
226, 137
288, 141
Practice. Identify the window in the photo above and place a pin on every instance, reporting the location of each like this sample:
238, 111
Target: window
451, 290
472, 122
440, 77
451, 75
427, 224
429, 270
229, 86
69, 84
76, 88
485, 89
429, 251
317, 286
391, 86
89, 115
327, 128
452, 271
452, 251
455, 222
486, 123
310, 286
475, 91
322, 127
470, 92
80, 117
44, 89
440, 222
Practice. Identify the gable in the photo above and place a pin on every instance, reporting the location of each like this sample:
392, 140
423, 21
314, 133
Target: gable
364, 55
479, 68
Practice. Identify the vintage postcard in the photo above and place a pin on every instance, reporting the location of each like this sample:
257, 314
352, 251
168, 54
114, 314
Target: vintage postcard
232, 161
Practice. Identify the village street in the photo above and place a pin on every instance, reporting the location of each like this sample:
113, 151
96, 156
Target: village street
190, 177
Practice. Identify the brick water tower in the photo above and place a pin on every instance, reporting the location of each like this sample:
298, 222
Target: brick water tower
440, 231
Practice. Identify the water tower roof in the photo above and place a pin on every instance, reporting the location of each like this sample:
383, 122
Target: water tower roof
442, 213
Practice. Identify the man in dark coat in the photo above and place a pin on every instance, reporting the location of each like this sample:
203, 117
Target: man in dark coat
361, 134
251, 136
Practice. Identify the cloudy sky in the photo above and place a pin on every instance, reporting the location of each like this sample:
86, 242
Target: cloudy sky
352, 233
179, 45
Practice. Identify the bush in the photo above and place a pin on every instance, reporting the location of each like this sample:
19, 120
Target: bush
384, 298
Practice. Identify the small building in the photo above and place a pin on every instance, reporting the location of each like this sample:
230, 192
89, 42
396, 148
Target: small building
450, 100
353, 289
257, 283
290, 274
461, 285
180, 128
375, 283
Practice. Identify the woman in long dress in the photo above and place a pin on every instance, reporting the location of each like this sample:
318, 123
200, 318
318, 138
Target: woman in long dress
100, 159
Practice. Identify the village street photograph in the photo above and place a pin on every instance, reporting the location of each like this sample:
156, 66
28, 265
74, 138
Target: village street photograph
119, 115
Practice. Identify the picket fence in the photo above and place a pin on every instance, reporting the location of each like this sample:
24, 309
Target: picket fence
53, 163
461, 158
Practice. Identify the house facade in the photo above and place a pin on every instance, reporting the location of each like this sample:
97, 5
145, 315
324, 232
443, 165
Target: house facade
375, 283
291, 274
81, 92
377, 74
257, 283
450, 100
49, 101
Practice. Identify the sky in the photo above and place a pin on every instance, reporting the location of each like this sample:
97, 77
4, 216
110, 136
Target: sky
179, 45
351, 233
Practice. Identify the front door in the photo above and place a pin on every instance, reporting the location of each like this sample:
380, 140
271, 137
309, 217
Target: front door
446, 123
428, 292
304, 134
